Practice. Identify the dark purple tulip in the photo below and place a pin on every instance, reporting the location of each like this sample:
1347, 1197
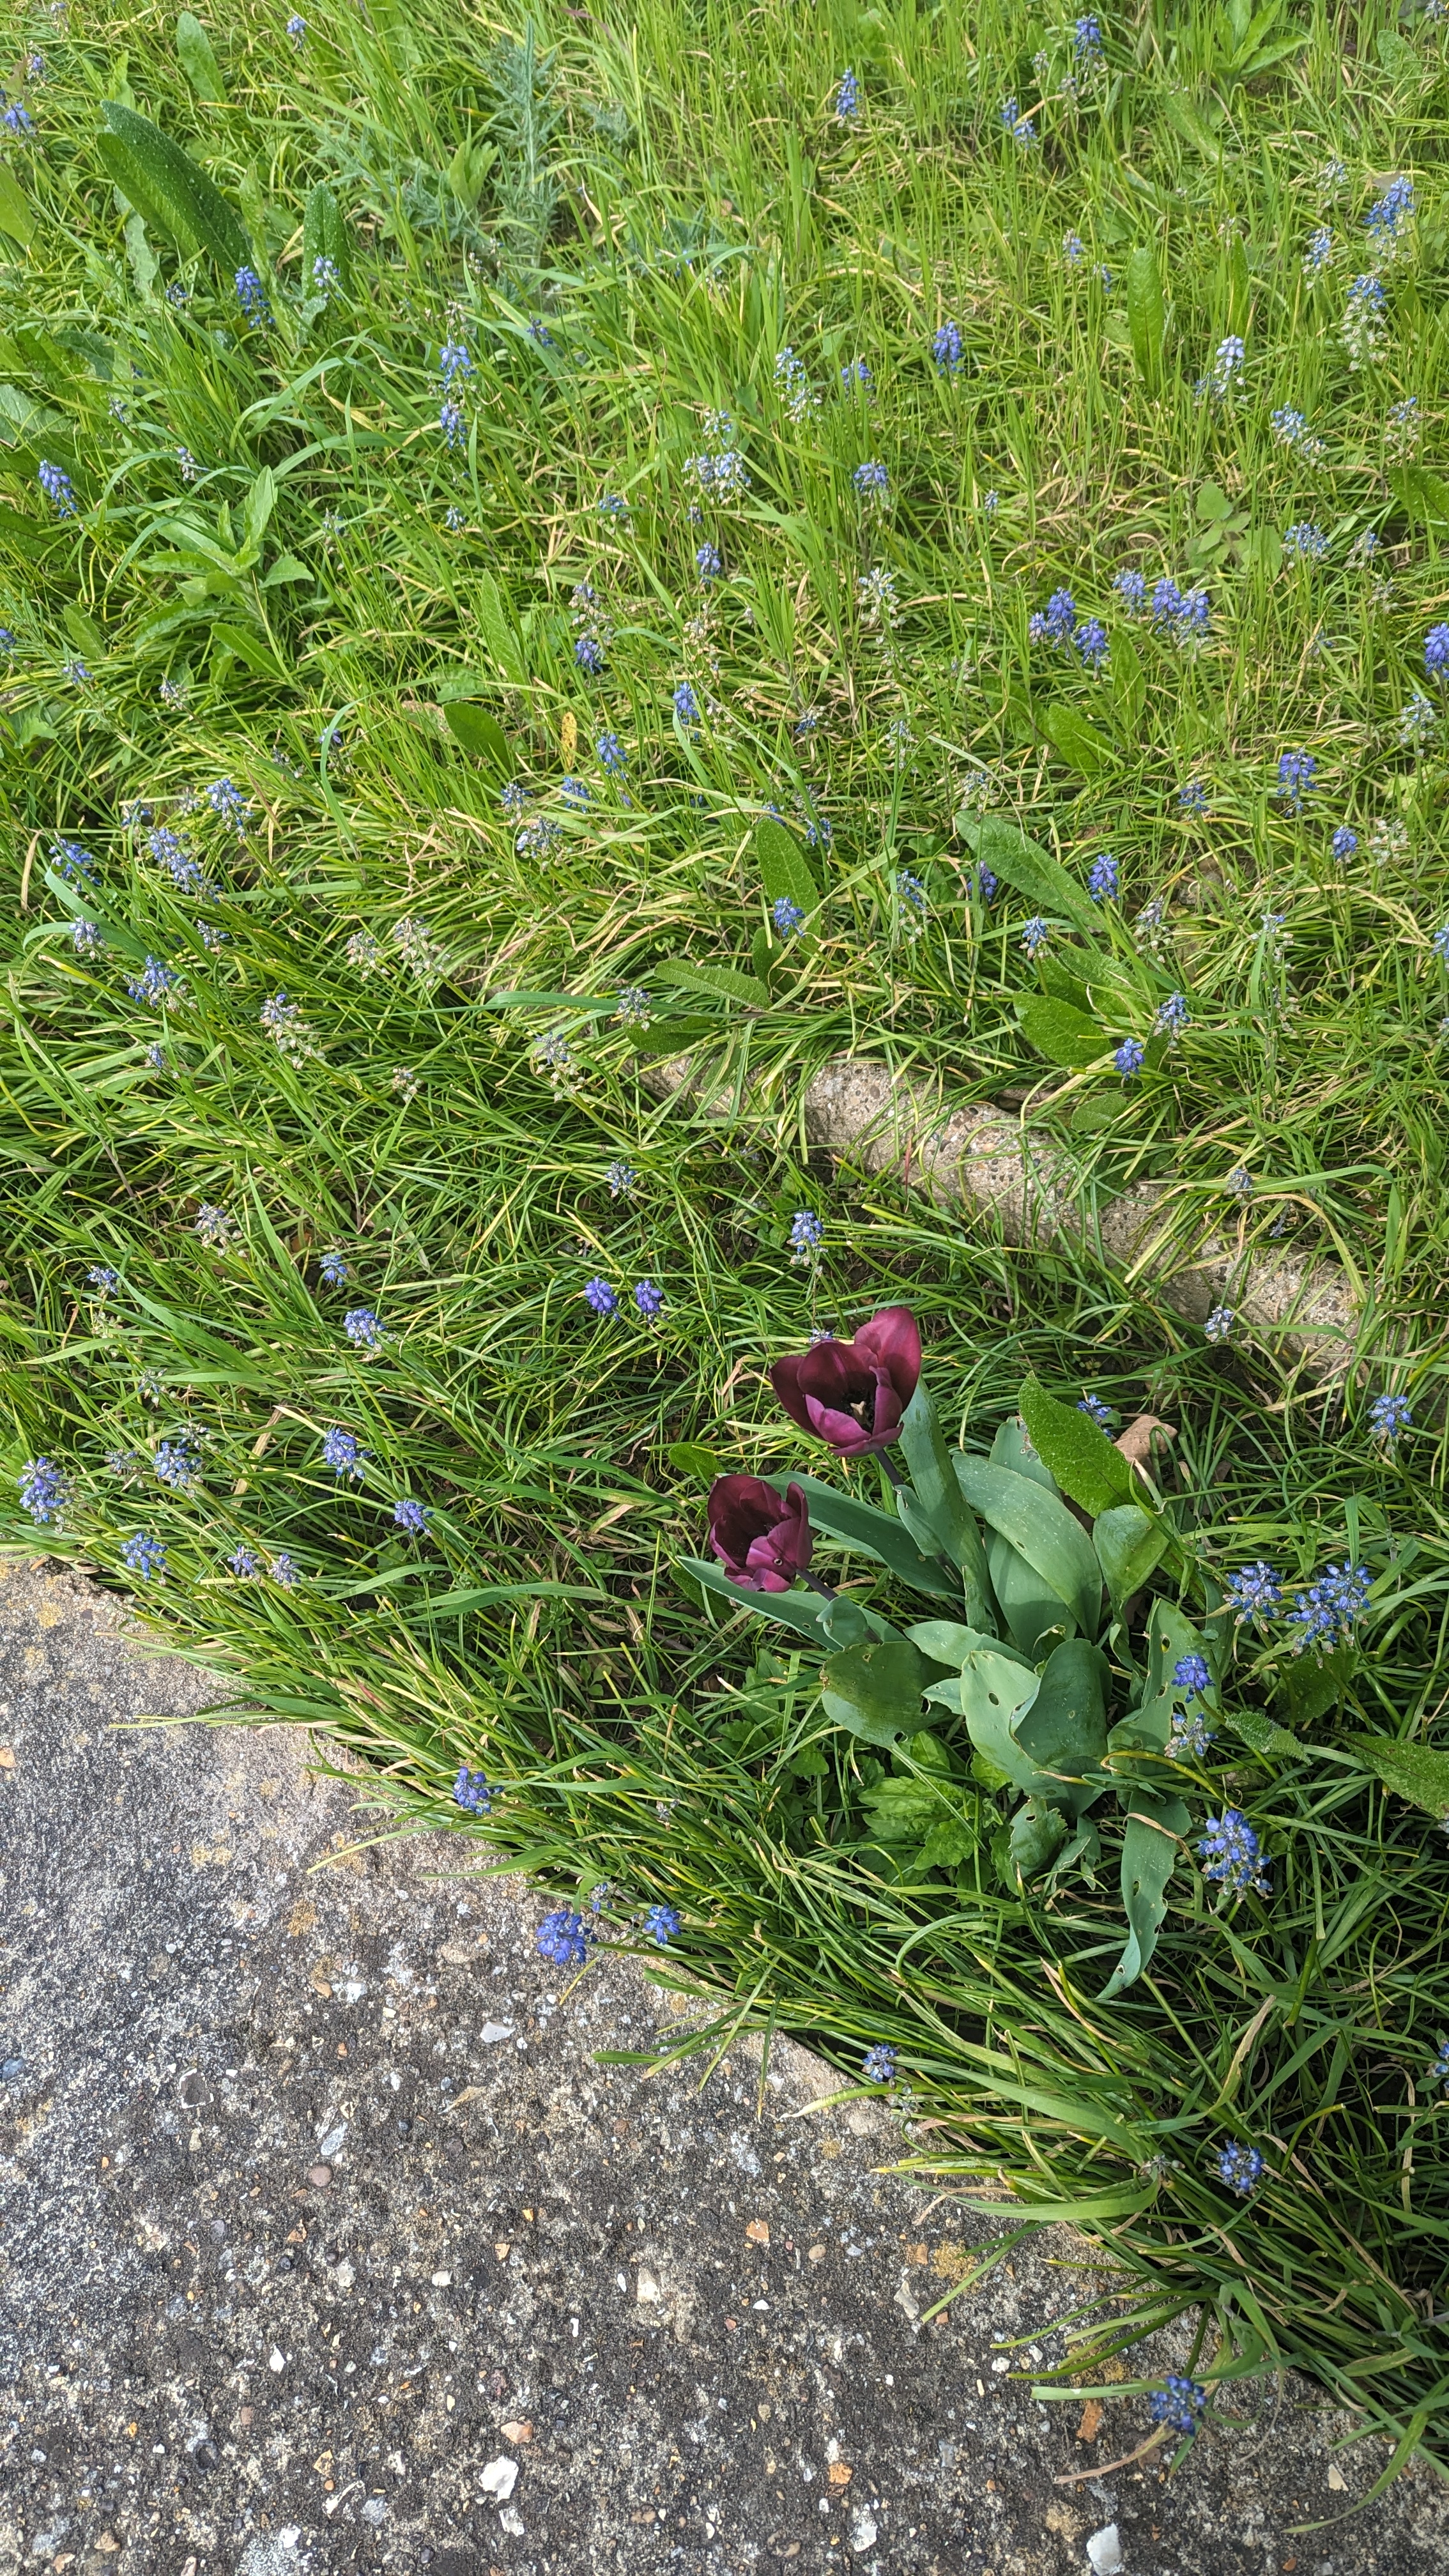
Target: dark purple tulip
853, 1394
761, 1541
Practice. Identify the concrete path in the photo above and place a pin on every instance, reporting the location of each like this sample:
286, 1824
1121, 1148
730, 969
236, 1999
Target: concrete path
327, 2242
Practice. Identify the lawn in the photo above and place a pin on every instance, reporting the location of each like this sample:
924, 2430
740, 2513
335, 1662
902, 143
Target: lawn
672, 679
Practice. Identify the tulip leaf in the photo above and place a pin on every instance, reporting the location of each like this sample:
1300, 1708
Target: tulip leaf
878, 1534
929, 1461
1413, 1771
496, 628
875, 1690
1038, 1525
1038, 1831
994, 1695
325, 235
1063, 1732
1130, 1546
1149, 1854
801, 1611
947, 1642
1081, 1457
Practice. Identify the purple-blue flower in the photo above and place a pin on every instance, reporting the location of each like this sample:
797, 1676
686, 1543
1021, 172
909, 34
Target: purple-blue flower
878, 2065
871, 480
661, 1922
847, 98
946, 348
1390, 1416
344, 1454
1241, 2168
44, 1491
1178, 2403
471, 1791
361, 1326
686, 704
1232, 1854
1102, 879
1254, 1593
1344, 842
57, 487
251, 295
1191, 1674
145, 1556
708, 561
1128, 1057
649, 1300
1297, 778
410, 1516
1436, 652
786, 916
599, 1295
564, 1937
1093, 1405
333, 1270
589, 655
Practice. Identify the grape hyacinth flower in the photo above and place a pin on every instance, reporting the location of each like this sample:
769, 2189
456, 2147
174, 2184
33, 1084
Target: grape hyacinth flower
1418, 722
1190, 1738
471, 1791
215, 1228
362, 1328
613, 506
649, 1300
145, 1556
1297, 778
1179, 2403
806, 1235
44, 1491
176, 1464
946, 348
634, 1007
878, 2065
86, 938
1092, 642
251, 295
1131, 589
1190, 1674
1324, 1615
1364, 319
847, 98
283, 1570
344, 1454
1019, 127
786, 915
686, 704
1439, 2071
795, 386
708, 562
1436, 652
1035, 935
1232, 1854
564, 1937
453, 361
229, 805
411, 1517
622, 1179
1344, 842
453, 421
334, 1270
1240, 1182
589, 656
855, 375
153, 983
1388, 217
1074, 249
1173, 1016
1390, 1416
245, 1563
57, 487
1227, 368
600, 1297
103, 1281
1241, 2168
1094, 1406
1128, 1057
1219, 1325
662, 1922
611, 755
1087, 40
871, 480
1254, 1594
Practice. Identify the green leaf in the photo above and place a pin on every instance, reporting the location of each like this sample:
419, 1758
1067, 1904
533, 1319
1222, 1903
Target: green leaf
904, 1811
875, 1690
1041, 1529
1307, 1689
877, 1534
325, 235
1413, 1771
287, 568
198, 61
1149, 1856
83, 631
17, 215
1422, 492
1038, 1832
930, 1465
1212, 503
1076, 741
1146, 314
722, 983
1191, 125
994, 1696
950, 1842
1261, 1734
480, 733
169, 190
1030, 871
691, 1458
1130, 1546
496, 629
1076, 1449
946, 1641
1063, 1733
798, 1610
142, 257
1398, 57
258, 506
1064, 1036
785, 872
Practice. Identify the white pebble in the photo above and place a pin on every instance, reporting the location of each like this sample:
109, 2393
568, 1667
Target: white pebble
1104, 2549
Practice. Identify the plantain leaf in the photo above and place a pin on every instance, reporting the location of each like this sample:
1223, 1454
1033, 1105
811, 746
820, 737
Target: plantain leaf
1146, 314
1077, 1450
1413, 1771
1307, 1688
1041, 1529
1076, 741
198, 60
169, 190
722, 983
17, 215
785, 872
1149, 1856
478, 732
1031, 872
1063, 1035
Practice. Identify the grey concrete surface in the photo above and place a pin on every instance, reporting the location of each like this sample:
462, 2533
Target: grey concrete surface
327, 2242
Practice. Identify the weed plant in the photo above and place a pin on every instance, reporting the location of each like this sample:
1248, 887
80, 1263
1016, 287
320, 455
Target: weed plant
517, 462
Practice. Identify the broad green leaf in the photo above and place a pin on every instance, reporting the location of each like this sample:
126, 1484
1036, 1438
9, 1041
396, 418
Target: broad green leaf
1149, 1855
1130, 1546
1306, 1688
785, 872
1076, 741
1212, 503
198, 61
904, 1811
671, 1037
478, 732
1038, 1831
169, 190
930, 1464
1081, 1457
1261, 1733
798, 1610
1422, 492
877, 1534
287, 568
994, 1696
325, 235
496, 629
1398, 57
1041, 1529
1030, 871
1191, 124
1413, 1771
875, 1690
1059, 981
691, 1458
1064, 1731
950, 1842
722, 983
17, 215
258, 506
1062, 1035
83, 630
947, 1642
1146, 314
143, 260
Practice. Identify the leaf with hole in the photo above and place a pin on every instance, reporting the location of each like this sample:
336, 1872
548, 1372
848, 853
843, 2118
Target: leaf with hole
875, 1690
1150, 1844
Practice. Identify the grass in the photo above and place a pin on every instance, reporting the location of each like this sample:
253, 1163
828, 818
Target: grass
625, 221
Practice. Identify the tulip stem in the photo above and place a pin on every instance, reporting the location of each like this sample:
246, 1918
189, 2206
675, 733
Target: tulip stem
892, 1470
816, 1585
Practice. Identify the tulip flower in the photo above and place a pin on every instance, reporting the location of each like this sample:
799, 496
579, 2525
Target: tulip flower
761, 1541
853, 1394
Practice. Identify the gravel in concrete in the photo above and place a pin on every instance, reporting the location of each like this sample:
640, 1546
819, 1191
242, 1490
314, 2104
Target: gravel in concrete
328, 2242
